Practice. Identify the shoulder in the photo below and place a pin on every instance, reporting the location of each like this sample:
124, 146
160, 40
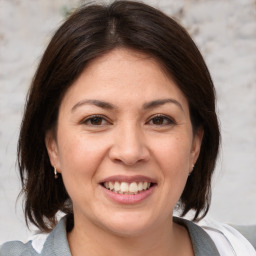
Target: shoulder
202, 243
227, 239
17, 248
54, 243
210, 235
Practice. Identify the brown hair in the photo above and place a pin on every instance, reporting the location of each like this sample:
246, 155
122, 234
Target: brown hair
88, 33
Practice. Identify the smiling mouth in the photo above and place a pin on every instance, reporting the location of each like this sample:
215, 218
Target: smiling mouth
127, 188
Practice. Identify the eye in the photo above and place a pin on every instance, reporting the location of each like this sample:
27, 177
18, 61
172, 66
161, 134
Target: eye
95, 120
161, 120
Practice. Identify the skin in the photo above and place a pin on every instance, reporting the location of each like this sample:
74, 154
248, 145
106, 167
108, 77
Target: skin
133, 137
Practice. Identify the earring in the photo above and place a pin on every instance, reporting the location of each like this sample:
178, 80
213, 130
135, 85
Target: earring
55, 173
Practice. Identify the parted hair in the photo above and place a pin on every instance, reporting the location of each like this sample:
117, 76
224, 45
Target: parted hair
91, 31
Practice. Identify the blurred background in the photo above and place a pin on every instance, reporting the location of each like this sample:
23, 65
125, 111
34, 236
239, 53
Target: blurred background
225, 32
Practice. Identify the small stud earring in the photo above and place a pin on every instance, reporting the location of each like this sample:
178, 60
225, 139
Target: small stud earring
55, 173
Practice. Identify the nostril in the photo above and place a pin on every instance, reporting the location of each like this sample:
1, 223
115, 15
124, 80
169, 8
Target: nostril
129, 147
128, 158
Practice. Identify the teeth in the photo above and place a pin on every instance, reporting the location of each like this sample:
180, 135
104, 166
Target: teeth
111, 186
117, 186
140, 186
124, 187
133, 188
145, 185
127, 188
106, 185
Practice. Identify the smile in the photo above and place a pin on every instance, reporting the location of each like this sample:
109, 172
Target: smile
127, 188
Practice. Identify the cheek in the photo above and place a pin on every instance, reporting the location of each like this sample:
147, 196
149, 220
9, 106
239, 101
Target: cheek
79, 157
80, 160
174, 153
173, 156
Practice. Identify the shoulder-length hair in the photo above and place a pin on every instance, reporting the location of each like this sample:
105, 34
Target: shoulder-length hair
90, 32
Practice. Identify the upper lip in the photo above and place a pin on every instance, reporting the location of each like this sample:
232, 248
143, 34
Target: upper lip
128, 179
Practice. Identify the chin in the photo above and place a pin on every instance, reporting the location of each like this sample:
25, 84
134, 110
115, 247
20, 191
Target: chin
129, 225
127, 230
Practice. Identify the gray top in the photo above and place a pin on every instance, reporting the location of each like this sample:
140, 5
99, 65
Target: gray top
56, 243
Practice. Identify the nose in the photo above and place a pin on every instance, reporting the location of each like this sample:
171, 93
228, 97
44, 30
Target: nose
129, 146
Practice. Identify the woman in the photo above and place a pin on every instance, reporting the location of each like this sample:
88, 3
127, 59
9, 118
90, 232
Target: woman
119, 128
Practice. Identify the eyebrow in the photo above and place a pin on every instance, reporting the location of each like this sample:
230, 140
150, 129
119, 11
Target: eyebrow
98, 103
106, 105
156, 103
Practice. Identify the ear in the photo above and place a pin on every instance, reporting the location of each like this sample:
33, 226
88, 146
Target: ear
52, 149
196, 146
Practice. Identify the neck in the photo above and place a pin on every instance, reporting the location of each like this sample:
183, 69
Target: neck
165, 240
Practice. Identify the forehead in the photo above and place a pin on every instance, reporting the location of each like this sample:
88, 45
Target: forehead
123, 76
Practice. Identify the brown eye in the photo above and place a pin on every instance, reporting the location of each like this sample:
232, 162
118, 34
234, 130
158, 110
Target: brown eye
95, 121
161, 120
158, 120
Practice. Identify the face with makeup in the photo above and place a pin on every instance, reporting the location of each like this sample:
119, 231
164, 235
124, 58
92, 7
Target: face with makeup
124, 144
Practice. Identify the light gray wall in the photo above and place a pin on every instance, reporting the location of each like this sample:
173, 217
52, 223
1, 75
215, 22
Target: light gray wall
225, 32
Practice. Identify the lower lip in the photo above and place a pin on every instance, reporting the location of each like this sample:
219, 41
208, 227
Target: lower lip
128, 199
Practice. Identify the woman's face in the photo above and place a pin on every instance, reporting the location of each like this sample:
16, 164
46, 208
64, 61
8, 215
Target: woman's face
124, 144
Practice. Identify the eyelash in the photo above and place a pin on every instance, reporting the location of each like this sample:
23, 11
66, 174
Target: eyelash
90, 119
164, 120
